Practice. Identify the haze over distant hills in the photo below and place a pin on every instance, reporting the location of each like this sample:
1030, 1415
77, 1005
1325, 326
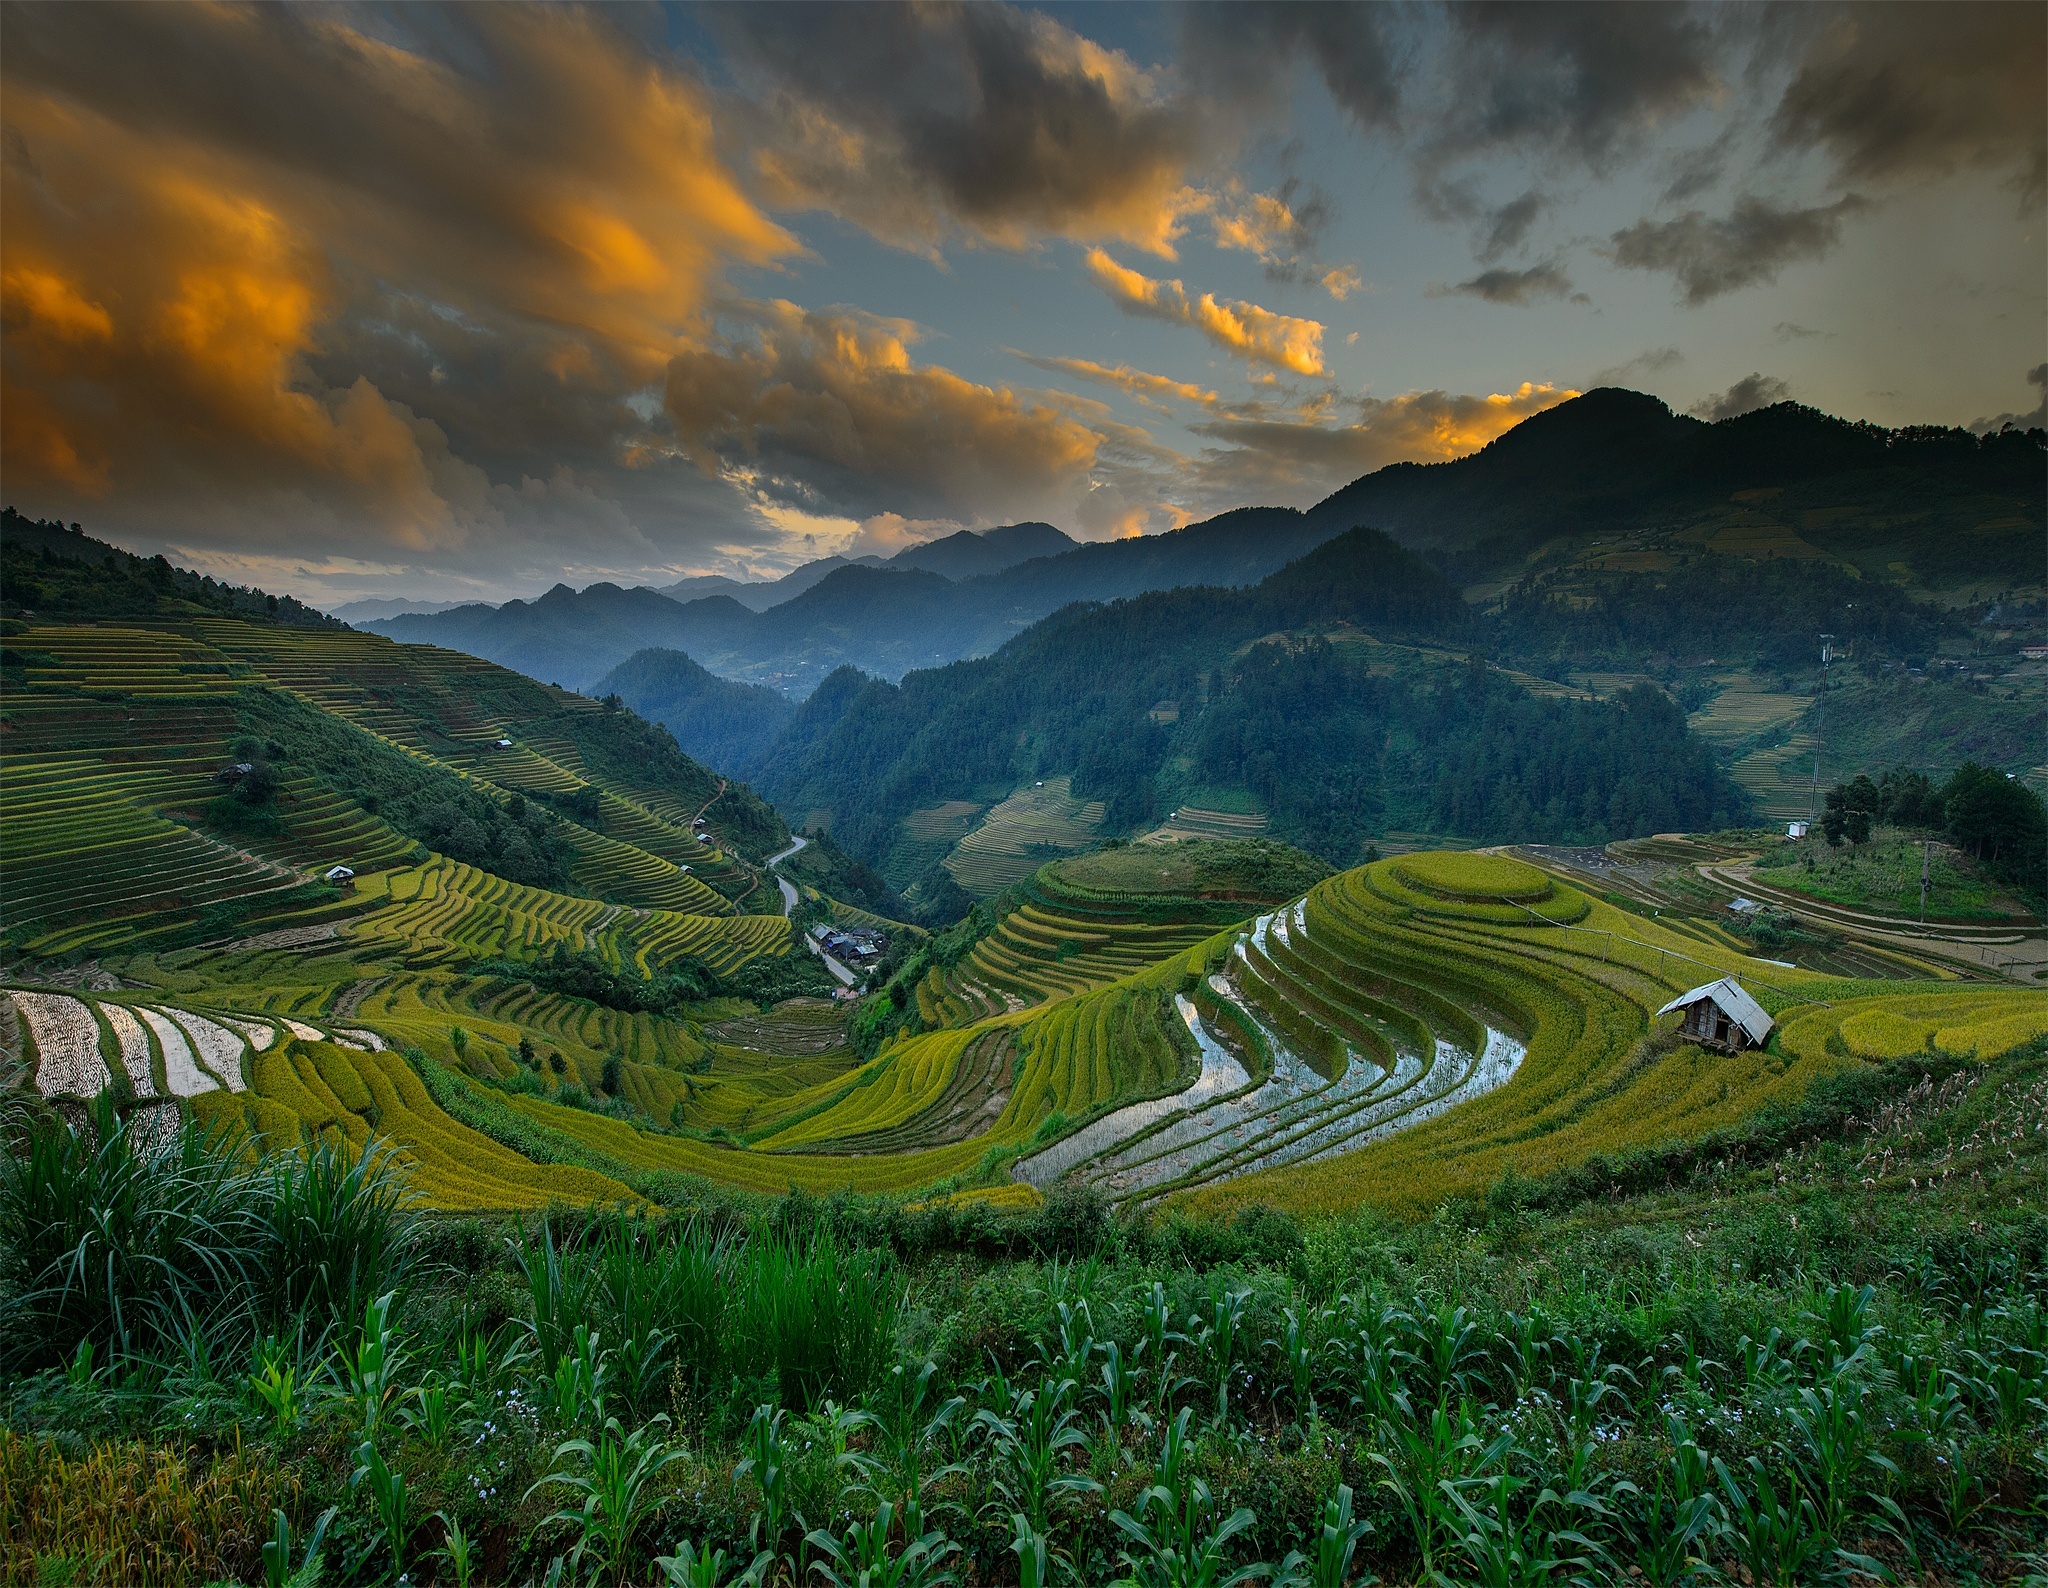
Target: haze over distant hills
1611, 473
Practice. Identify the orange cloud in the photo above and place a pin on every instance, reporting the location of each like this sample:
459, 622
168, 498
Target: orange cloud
828, 407
1242, 328
1298, 460
182, 255
1137, 382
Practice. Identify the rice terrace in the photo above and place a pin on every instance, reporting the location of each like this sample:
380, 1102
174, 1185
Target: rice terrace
1222, 946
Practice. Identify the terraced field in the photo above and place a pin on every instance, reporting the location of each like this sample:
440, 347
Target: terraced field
1168, 1020
110, 753
1020, 834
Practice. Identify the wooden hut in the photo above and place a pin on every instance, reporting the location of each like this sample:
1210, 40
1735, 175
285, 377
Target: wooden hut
1721, 1015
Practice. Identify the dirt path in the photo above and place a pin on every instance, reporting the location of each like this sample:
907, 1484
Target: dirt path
2014, 951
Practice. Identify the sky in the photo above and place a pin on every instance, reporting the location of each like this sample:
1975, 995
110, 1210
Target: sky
403, 301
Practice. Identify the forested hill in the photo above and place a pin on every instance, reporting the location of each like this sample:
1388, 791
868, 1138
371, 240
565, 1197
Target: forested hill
1338, 691
1940, 507
55, 570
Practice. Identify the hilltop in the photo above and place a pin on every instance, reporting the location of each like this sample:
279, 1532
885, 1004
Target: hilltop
1610, 491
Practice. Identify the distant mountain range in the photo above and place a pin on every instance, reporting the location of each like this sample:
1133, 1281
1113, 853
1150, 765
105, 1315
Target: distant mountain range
887, 619
1557, 500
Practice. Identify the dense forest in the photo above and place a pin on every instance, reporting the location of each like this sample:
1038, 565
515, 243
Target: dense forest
721, 723
1341, 739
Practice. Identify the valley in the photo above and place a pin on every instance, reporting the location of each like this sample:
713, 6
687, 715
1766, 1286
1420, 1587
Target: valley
1208, 931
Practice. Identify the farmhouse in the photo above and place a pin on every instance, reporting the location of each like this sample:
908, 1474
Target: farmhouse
340, 874
1722, 1015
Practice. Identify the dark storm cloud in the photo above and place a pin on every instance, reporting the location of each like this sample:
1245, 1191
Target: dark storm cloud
908, 119
1904, 92
1243, 53
1584, 79
1709, 256
1745, 396
1518, 287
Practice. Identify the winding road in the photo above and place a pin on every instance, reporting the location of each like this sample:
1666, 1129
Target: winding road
844, 975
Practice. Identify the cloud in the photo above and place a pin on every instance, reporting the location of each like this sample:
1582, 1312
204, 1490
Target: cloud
1508, 225
2034, 418
1243, 55
916, 121
1745, 396
1789, 331
1297, 462
1654, 361
1751, 244
826, 410
255, 258
1911, 92
1241, 328
1340, 281
1135, 382
1581, 80
1519, 287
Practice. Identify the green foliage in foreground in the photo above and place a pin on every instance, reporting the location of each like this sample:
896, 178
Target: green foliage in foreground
1812, 1356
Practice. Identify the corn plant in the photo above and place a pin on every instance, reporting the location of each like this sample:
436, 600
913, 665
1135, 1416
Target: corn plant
612, 1477
911, 1425
1119, 1393
1445, 1347
1298, 1364
864, 1560
1328, 1563
1030, 1444
1370, 1360
1676, 1521
1214, 1333
1034, 1552
278, 1571
558, 1290
1175, 1540
430, 1414
1835, 1453
276, 1385
1426, 1457
690, 1567
369, 1374
387, 1490
767, 1463
1506, 1542
1776, 1540
581, 1376
455, 1549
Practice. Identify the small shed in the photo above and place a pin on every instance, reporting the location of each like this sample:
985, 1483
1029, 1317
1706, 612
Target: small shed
1722, 1015
504, 744
1795, 829
340, 874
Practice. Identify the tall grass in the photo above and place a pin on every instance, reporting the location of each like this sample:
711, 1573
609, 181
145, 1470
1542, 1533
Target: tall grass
713, 1306
141, 1244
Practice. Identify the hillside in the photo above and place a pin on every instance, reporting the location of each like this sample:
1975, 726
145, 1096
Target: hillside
715, 720
1296, 691
1607, 506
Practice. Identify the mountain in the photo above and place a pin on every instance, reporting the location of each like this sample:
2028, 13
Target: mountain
760, 595
370, 611
1932, 507
719, 722
972, 553
1337, 693
1598, 499
879, 617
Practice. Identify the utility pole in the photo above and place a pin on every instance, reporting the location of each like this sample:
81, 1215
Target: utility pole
1820, 722
1926, 848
